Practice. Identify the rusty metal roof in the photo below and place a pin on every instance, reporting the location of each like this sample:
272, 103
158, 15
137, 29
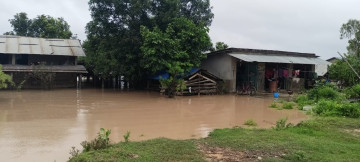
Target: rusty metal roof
46, 68
40, 46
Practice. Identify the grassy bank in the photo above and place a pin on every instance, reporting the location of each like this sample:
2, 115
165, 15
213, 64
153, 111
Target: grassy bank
319, 139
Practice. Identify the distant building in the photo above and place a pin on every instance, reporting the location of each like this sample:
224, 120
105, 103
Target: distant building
21, 56
267, 70
333, 59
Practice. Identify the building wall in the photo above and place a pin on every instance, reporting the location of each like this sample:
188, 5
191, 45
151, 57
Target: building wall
224, 67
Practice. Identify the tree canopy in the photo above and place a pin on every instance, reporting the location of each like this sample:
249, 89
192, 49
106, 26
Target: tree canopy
340, 70
351, 31
175, 50
43, 26
114, 38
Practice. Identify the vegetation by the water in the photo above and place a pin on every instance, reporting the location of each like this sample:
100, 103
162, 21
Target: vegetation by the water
288, 105
250, 123
5, 79
319, 139
328, 101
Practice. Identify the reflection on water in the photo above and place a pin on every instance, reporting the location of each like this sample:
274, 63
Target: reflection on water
44, 125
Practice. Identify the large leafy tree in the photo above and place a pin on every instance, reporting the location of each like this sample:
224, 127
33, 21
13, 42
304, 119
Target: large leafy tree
340, 70
43, 26
176, 50
5, 79
351, 31
114, 32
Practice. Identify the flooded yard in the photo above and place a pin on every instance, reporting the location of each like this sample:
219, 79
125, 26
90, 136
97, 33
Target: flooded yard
43, 125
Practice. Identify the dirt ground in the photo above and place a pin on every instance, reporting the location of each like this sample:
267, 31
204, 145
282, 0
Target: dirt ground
219, 154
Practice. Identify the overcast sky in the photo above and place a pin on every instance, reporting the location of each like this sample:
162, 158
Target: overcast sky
292, 25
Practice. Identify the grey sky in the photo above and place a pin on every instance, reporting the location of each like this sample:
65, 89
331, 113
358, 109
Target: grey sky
291, 25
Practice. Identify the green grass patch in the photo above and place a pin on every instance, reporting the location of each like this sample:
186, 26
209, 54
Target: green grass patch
273, 105
152, 150
320, 139
288, 105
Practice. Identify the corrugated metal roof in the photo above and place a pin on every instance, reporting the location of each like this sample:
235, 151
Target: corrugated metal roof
279, 59
46, 68
40, 46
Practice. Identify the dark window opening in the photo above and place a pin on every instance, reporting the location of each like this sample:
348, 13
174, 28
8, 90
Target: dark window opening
21, 59
5, 59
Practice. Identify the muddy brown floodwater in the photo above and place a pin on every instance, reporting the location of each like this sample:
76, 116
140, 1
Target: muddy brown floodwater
44, 125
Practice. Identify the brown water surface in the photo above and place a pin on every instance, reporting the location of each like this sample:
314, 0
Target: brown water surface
44, 125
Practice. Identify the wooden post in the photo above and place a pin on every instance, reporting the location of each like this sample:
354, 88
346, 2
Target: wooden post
13, 59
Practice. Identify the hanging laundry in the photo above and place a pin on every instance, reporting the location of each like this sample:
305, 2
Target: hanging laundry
269, 73
297, 73
285, 73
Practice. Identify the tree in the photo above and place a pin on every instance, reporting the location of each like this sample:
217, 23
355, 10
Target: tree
176, 50
5, 79
341, 70
221, 46
114, 38
42, 26
351, 31
20, 24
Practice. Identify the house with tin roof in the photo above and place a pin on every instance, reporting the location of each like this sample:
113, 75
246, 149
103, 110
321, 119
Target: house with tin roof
266, 70
25, 57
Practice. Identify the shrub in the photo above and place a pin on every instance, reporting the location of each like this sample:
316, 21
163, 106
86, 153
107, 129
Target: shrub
326, 108
250, 122
326, 91
288, 105
351, 110
127, 136
303, 100
332, 108
273, 105
352, 92
101, 142
281, 124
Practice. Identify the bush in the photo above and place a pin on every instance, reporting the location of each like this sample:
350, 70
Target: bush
101, 142
273, 105
352, 92
303, 100
250, 122
332, 108
351, 110
281, 124
326, 108
326, 91
288, 105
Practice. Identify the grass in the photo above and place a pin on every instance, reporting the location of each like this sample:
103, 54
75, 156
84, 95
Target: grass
282, 105
288, 105
250, 123
319, 139
160, 149
273, 105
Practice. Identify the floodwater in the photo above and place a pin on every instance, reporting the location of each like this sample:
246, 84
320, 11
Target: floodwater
44, 125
